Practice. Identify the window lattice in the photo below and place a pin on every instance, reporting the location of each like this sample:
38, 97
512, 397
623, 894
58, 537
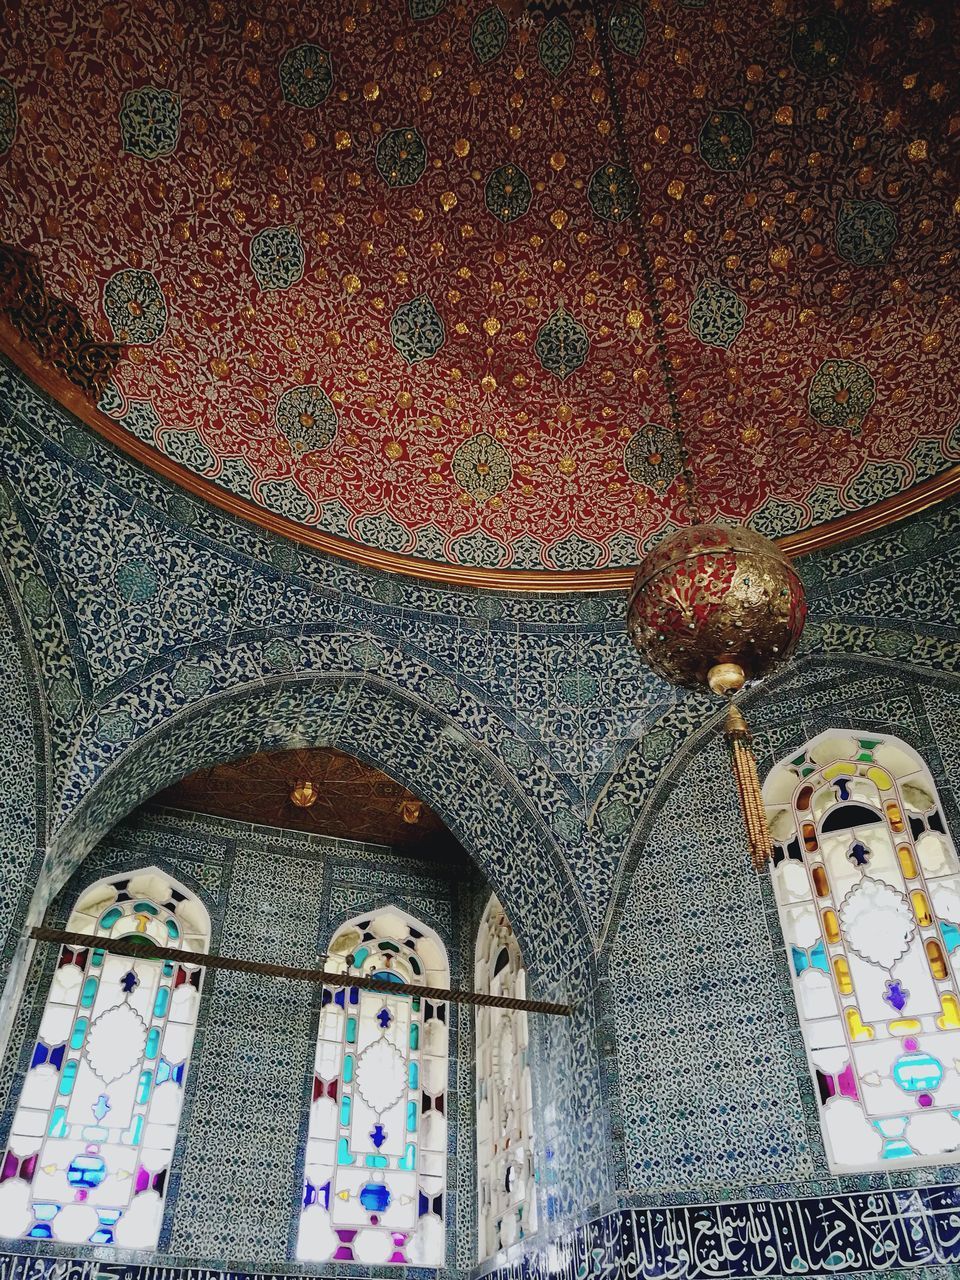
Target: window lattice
866, 879
91, 1142
375, 1176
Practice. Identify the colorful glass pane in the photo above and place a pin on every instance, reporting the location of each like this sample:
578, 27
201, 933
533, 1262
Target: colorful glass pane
387, 1062
92, 1137
869, 900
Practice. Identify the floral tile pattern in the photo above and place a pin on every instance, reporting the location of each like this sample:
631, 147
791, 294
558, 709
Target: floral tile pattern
153, 634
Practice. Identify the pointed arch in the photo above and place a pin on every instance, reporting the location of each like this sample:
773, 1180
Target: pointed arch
376, 1161
419, 746
90, 1147
867, 884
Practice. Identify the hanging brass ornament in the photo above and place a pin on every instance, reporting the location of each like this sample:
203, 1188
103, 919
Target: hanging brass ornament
304, 793
716, 607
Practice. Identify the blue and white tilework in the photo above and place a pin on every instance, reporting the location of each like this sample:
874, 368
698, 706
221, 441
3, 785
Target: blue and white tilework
19, 767
274, 896
907, 1235
594, 798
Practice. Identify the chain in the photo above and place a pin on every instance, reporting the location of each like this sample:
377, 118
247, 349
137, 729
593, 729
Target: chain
601, 16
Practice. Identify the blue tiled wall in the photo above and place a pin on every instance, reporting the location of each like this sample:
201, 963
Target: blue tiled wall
275, 896
592, 796
19, 769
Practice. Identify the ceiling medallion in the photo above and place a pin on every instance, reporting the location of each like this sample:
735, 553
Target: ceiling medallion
306, 418
562, 344
555, 46
306, 76
612, 193
841, 394
508, 193
417, 329
277, 257
489, 34
150, 122
628, 30
652, 457
135, 307
401, 157
716, 315
866, 231
482, 467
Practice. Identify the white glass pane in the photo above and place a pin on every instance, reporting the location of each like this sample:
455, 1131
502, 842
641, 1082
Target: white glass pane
114, 1102
16, 1209
75, 1223
376, 1057
40, 1088
183, 1005
66, 984
141, 1222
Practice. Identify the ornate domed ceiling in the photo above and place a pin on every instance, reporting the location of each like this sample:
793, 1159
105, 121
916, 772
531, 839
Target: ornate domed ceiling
411, 280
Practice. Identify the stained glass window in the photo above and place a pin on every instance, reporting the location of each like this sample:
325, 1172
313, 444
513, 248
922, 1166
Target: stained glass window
375, 1176
868, 888
91, 1142
507, 1197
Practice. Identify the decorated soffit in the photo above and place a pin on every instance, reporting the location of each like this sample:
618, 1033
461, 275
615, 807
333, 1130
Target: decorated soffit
353, 801
384, 276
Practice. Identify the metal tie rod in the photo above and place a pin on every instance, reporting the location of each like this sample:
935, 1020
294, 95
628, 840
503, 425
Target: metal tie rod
137, 947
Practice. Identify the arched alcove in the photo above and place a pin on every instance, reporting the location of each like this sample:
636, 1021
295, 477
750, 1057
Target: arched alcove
416, 744
421, 748
708, 1040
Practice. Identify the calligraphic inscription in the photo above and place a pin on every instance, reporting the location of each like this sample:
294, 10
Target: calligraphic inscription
873, 1232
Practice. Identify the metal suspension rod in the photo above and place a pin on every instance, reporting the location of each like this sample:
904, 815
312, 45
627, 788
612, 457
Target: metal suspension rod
133, 945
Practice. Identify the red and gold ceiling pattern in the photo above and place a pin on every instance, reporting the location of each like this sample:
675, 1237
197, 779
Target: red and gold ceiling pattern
375, 268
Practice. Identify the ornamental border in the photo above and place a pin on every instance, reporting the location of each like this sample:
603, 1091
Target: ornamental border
910, 502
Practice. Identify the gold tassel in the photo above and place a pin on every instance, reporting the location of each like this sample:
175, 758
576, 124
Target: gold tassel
748, 786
